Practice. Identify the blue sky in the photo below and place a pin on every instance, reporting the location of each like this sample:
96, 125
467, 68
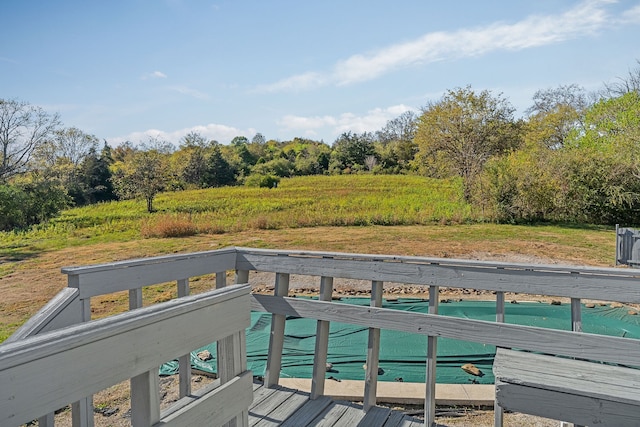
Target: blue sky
131, 69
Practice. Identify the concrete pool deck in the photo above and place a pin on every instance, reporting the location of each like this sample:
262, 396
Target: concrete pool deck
401, 392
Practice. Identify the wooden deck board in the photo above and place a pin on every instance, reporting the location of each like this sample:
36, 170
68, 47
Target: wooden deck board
395, 419
276, 417
287, 407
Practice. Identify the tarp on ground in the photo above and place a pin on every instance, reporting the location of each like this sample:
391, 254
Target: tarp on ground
403, 355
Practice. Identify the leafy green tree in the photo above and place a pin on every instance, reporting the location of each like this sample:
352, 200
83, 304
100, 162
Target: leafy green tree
388, 159
246, 159
350, 151
555, 113
603, 161
23, 129
122, 152
30, 202
196, 166
61, 158
459, 133
239, 140
593, 177
278, 167
95, 177
396, 140
190, 161
193, 139
522, 186
218, 171
258, 139
144, 174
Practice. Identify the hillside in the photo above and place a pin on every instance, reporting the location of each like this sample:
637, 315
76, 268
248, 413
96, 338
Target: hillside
361, 213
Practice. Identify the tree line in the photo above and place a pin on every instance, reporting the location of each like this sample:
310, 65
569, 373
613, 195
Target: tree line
573, 157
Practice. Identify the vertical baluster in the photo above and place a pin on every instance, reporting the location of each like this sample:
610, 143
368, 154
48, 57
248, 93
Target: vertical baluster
184, 362
232, 351
432, 350
221, 279
82, 410
47, 420
233, 361
145, 397
276, 340
576, 324
498, 412
322, 342
576, 315
373, 351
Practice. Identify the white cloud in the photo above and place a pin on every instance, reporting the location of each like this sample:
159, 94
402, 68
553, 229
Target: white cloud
221, 133
371, 121
631, 16
586, 18
189, 91
304, 81
154, 75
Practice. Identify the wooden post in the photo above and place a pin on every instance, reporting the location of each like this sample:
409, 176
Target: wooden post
373, 352
82, 410
498, 412
617, 262
232, 350
576, 324
276, 340
184, 362
322, 342
432, 351
145, 399
233, 361
242, 276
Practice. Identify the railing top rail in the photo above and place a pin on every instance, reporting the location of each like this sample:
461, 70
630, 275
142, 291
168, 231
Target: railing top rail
453, 262
31, 348
141, 262
125, 275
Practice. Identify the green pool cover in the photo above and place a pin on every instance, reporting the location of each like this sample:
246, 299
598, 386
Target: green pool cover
403, 355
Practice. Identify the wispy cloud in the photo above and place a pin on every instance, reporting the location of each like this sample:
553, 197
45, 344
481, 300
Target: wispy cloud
5, 59
154, 75
631, 16
189, 91
371, 121
586, 18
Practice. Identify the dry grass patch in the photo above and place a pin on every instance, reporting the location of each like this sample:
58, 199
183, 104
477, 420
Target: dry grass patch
169, 226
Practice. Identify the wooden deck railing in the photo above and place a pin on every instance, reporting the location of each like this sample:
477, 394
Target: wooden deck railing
576, 283
46, 372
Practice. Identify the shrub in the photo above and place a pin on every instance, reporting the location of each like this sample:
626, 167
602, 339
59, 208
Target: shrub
32, 203
169, 226
262, 181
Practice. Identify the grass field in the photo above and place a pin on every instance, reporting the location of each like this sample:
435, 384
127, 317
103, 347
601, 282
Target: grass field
400, 215
359, 200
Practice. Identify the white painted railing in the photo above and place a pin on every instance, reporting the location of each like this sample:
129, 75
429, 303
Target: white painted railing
43, 373
576, 283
